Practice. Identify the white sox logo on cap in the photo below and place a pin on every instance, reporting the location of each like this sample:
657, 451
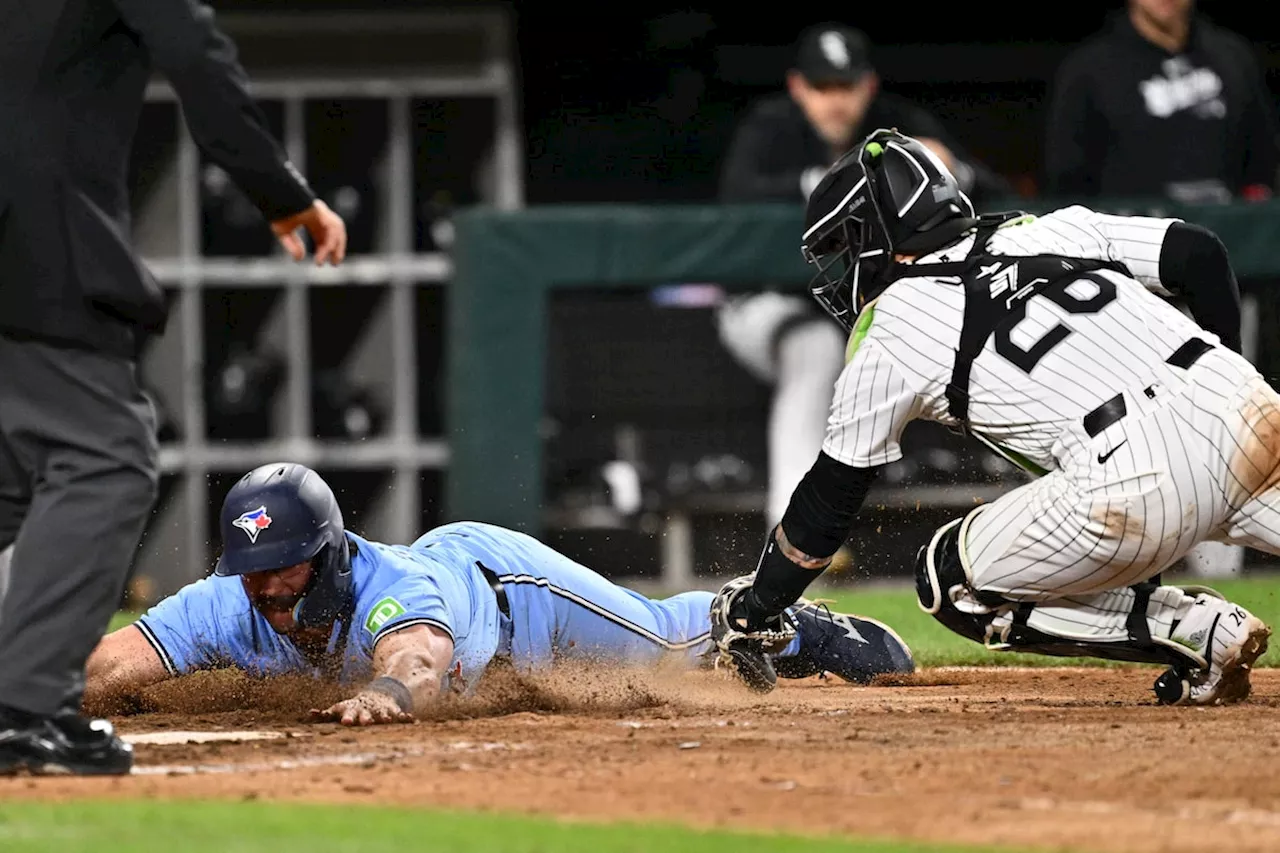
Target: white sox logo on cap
834, 49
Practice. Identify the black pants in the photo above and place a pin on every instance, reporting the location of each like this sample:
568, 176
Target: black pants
78, 480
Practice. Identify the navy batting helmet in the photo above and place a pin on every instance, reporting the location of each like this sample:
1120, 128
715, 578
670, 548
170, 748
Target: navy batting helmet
283, 514
889, 195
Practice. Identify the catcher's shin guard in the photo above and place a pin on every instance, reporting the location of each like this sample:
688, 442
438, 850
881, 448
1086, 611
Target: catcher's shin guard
1114, 625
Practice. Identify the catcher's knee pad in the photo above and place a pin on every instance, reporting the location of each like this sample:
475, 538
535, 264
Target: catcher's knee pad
940, 575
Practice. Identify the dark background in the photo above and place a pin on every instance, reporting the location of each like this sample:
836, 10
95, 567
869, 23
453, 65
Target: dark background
635, 102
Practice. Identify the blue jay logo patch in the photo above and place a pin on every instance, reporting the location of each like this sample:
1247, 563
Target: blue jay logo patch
253, 522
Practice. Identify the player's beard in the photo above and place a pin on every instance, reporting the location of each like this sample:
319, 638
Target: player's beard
277, 605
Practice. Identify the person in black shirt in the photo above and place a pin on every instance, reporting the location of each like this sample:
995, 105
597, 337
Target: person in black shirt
79, 467
780, 150
1162, 103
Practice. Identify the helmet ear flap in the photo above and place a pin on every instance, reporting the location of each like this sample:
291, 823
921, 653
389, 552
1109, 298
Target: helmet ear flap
329, 594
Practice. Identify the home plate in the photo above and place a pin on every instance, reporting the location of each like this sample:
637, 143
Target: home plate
198, 737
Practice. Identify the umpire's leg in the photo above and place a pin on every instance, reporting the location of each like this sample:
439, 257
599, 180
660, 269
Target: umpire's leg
15, 495
76, 423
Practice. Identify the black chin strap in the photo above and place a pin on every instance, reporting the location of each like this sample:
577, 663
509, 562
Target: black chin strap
330, 663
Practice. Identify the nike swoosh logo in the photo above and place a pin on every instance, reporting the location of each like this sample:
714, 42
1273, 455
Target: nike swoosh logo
1103, 457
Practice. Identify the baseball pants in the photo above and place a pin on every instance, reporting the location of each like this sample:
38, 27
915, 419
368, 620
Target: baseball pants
13, 505
1196, 458
562, 610
78, 479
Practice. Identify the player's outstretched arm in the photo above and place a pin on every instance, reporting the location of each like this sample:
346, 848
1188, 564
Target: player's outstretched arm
122, 664
409, 667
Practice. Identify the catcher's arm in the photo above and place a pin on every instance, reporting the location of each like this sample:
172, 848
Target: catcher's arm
123, 663
409, 667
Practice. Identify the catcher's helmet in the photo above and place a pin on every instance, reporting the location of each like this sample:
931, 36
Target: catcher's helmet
280, 515
888, 195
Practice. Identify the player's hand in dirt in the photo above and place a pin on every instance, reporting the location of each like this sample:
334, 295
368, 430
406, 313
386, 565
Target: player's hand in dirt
364, 709
327, 230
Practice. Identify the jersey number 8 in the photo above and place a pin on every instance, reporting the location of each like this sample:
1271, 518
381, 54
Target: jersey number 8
1057, 293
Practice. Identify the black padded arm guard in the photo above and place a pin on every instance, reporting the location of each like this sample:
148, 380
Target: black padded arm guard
816, 523
823, 506
1194, 267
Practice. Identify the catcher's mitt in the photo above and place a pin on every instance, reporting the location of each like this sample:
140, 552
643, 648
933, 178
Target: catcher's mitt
744, 639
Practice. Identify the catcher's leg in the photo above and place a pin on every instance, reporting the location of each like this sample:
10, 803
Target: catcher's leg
1209, 643
1248, 463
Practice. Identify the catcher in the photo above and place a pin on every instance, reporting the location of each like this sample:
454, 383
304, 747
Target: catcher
295, 593
1048, 340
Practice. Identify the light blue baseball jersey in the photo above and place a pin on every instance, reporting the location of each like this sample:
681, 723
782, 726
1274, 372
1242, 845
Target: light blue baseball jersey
558, 609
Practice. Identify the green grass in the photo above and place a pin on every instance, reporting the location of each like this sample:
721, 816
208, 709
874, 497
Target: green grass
934, 645
124, 617
250, 827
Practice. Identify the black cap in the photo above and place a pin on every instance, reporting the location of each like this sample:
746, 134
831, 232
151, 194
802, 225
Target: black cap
832, 53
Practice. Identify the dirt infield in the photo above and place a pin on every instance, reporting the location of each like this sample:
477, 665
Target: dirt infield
1053, 758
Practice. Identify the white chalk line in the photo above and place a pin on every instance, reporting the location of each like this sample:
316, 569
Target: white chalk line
168, 738
357, 758
338, 760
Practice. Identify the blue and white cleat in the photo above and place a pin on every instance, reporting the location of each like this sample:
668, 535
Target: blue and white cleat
855, 648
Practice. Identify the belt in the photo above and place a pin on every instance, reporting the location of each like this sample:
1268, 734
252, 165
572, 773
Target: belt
1114, 409
499, 590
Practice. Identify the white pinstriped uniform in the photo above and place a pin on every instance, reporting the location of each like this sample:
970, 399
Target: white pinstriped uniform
1197, 457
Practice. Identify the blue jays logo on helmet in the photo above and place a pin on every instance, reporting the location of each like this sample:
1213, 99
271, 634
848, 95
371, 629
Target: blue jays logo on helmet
253, 522
306, 526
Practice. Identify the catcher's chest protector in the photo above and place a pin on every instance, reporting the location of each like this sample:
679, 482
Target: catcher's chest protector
996, 291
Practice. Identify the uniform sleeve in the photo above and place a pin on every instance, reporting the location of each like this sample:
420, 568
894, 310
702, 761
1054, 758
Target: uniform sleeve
1134, 241
225, 121
193, 628
872, 405
744, 175
441, 601
1261, 128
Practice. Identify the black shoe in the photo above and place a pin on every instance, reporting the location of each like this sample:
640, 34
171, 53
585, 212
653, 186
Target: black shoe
66, 743
853, 647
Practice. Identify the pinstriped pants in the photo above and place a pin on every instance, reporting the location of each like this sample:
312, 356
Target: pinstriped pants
1195, 460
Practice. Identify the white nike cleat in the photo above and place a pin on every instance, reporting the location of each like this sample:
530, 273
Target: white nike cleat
1229, 638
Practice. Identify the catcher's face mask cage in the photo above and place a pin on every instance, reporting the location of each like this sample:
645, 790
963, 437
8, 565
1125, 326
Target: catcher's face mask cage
848, 245
888, 196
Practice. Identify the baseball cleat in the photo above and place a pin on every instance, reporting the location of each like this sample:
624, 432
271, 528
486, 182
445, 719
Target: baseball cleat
855, 648
1230, 639
67, 744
